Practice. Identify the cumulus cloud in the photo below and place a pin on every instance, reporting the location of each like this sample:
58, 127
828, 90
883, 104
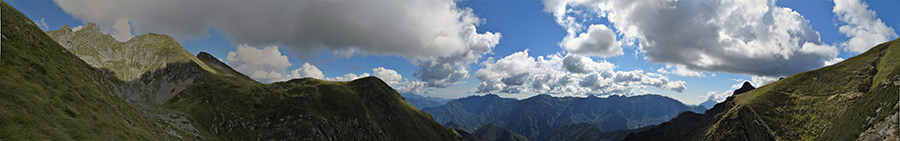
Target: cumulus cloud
581, 64
122, 30
265, 65
680, 70
42, 24
437, 36
403, 85
833, 61
77, 28
718, 97
751, 37
521, 73
347, 77
756, 81
863, 27
599, 41
307, 70
388, 75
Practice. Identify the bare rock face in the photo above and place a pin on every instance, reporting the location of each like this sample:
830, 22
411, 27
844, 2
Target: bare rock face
886, 130
128, 60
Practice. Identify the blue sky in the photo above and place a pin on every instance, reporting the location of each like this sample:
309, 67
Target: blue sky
514, 26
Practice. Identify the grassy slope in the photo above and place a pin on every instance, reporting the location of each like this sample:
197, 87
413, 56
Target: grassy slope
231, 107
830, 103
47, 93
836, 102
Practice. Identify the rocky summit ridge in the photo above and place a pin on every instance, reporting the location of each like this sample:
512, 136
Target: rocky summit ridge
130, 59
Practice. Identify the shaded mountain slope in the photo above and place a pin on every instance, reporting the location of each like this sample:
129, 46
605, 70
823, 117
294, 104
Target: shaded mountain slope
836, 102
491, 132
47, 93
590, 132
538, 116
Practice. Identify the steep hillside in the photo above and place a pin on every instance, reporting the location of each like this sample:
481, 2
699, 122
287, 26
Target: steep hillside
538, 116
493, 132
47, 93
590, 132
837, 102
129, 60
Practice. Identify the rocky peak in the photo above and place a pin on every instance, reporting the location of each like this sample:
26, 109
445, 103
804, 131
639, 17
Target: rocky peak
744, 88
90, 27
66, 28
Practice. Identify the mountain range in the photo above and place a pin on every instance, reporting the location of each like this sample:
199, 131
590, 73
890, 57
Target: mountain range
84, 85
422, 102
537, 117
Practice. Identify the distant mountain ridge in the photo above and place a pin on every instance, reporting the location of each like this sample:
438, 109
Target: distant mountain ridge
746, 86
538, 116
422, 102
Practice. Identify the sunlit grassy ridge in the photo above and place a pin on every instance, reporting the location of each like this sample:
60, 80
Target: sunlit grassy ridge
47, 93
836, 102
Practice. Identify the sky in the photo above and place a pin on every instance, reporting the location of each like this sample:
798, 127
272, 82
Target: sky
690, 50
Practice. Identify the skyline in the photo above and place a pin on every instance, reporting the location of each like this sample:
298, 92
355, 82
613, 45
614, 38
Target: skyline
500, 52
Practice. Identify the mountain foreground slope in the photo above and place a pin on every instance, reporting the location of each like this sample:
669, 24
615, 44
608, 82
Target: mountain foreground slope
537, 117
51, 94
47, 93
854, 99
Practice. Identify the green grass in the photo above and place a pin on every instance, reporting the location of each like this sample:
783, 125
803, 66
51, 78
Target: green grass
368, 105
830, 103
47, 93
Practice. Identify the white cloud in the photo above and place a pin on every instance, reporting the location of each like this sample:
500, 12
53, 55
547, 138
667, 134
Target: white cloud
718, 97
763, 80
681, 70
599, 41
833, 61
581, 64
751, 37
389, 76
122, 30
307, 70
863, 27
265, 65
756, 81
77, 28
403, 85
521, 73
436, 35
347, 77
42, 24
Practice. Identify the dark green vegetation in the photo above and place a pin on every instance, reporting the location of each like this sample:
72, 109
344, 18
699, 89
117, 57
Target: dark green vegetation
590, 132
422, 102
537, 117
47, 93
836, 102
491, 132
